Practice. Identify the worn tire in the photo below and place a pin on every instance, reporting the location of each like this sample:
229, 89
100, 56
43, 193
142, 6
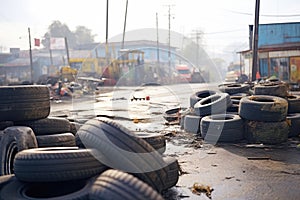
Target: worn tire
157, 141
192, 124
14, 140
19, 103
119, 148
194, 98
271, 89
75, 190
214, 104
293, 120
234, 88
293, 103
172, 114
173, 171
118, 185
263, 108
74, 127
222, 128
48, 126
266, 132
56, 140
62, 164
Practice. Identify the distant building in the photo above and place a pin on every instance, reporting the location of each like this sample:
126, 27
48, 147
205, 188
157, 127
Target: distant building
278, 51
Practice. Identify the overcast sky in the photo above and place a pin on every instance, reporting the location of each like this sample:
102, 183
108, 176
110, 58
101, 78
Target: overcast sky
224, 22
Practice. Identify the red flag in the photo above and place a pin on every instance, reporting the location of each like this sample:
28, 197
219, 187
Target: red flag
37, 42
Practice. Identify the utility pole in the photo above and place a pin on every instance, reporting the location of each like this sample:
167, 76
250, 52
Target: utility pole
197, 34
255, 44
30, 56
124, 24
169, 41
67, 50
106, 36
157, 39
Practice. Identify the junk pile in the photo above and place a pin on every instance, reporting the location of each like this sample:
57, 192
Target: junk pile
46, 157
263, 113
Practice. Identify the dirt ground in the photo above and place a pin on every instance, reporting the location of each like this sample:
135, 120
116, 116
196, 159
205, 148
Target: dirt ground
232, 171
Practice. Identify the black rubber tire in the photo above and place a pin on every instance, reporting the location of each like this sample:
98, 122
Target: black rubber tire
293, 103
194, 98
118, 185
56, 140
172, 114
75, 190
263, 108
157, 141
293, 120
222, 128
271, 89
192, 124
234, 88
74, 127
56, 164
214, 104
48, 126
119, 148
14, 140
173, 171
233, 109
26, 102
266, 132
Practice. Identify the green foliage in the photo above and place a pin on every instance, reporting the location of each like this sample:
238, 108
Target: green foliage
81, 35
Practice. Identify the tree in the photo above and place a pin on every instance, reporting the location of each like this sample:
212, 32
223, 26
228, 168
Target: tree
83, 35
57, 29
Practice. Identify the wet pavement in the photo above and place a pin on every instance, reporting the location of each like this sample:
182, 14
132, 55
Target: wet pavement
233, 171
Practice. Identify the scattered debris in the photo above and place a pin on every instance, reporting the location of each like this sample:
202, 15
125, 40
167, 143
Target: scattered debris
181, 172
199, 188
258, 158
229, 177
214, 165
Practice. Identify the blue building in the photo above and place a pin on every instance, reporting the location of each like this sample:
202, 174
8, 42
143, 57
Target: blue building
278, 51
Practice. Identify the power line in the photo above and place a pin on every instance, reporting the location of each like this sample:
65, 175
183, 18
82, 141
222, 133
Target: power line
266, 15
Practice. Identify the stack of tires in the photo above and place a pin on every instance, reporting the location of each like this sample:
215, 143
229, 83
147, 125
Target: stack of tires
227, 126
46, 157
293, 116
265, 113
205, 103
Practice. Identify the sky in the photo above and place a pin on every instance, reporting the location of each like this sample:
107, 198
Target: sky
224, 23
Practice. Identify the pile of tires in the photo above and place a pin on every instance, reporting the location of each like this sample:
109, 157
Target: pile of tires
265, 119
266, 115
46, 157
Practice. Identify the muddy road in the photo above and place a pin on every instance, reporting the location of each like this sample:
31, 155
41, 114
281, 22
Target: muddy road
232, 171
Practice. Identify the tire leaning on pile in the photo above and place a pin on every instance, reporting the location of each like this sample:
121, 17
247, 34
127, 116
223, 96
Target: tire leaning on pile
21, 103
111, 141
